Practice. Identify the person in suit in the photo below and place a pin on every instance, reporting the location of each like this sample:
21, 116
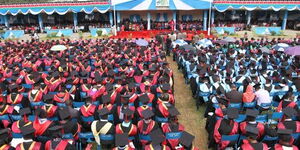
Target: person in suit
234, 96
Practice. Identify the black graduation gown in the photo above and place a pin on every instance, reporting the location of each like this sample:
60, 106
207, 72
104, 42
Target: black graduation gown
99, 125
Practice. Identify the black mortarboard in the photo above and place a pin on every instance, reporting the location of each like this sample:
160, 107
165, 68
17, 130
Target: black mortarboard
55, 128
165, 87
109, 87
173, 112
98, 78
64, 113
147, 113
144, 98
157, 137
74, 73
27, 130
111, 73
14, 78
105, 99
25, 111
252, 112
232, 113
103, 112
222, 101
251, 132
121, 139
13, 87
128, 112
55, 74
48, 97
4, 134
131, 85
186, 139
289, 112
83, 73
284, 131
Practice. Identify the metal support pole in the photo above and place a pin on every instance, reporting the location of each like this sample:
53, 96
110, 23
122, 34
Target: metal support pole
41, 22
284, 21
205, 20
174, 19
148, 21
6, 21
249, 17
111, 19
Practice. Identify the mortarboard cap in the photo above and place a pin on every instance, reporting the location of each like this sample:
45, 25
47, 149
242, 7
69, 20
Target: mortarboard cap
252, 112
27, 130
131, 85
289, 112
48, 97
98, 78
121, 139
251, 132
111, 73
144, 98
105, 99
222, 101
55, 74
103, 112
25, 111
55, 128
186, 139
232, 113
284, 131
13, 87
157, 137
14, 78
109, 87
4, 131
83, 73
173, 112
147, 113
165, 87
64, 113
128, 112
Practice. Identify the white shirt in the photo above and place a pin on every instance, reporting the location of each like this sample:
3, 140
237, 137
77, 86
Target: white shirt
262, 96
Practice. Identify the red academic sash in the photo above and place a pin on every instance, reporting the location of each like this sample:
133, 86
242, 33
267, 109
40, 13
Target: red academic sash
37, 96
218, 136
149, 128
40, 128
279, 147
163, 109
259, 126
61, 97
166, 129
291, 104
28, 80
50, 111
132, 131
34, 146
17, 99
87, 110
5, 147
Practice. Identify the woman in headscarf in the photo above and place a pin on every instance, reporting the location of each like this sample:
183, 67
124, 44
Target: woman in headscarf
249, 95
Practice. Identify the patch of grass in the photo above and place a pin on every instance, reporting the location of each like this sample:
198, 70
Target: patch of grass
193, 120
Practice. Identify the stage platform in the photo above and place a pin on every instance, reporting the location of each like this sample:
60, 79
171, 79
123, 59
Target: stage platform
149, 33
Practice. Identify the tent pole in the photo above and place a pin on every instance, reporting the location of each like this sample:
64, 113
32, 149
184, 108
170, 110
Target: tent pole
209, 18
115, 21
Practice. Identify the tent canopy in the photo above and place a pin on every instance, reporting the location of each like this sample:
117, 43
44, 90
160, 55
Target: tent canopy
222, 6
50, 8
153, 4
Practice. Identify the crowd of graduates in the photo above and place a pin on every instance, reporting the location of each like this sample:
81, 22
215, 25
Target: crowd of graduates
251, 97
112, 94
